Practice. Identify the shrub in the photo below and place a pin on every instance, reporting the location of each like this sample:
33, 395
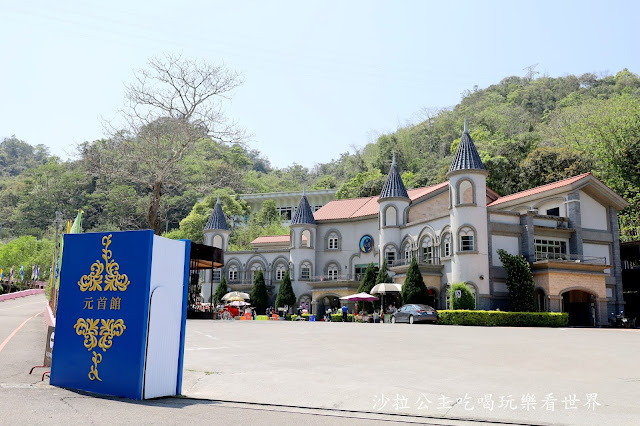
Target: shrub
286, 296
338, 318
368, 282
221, 290
519, 282
466, 299
503, 319
414, 290
259, 297
293, 317
262, 318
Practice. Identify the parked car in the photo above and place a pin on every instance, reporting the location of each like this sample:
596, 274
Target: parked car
415, 313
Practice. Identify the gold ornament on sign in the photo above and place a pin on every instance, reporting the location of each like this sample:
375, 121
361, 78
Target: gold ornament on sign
110, 328
93, 373
89, 329
113, 281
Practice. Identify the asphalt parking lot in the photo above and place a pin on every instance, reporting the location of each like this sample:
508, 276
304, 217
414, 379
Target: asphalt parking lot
536, 375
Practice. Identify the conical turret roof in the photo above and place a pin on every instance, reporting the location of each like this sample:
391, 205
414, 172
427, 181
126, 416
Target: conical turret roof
304, 214
217, 220
466, 157
393, 186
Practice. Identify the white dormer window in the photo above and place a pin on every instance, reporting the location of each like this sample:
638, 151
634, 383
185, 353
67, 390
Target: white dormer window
280, 270
254, 271
407, 252
332, 272
233, 273
446, 245
467, 239
305, 271
427, 250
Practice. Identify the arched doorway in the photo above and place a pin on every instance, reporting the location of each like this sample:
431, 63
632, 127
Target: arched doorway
540, 300
432, 298
581, 307
327, 302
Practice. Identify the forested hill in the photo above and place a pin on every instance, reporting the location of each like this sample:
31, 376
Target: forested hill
529, 131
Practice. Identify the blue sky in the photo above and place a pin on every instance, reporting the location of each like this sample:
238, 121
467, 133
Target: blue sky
319, 77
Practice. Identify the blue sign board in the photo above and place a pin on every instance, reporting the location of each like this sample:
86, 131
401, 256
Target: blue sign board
103, 315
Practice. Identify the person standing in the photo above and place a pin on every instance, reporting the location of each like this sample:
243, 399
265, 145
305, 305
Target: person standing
345, 312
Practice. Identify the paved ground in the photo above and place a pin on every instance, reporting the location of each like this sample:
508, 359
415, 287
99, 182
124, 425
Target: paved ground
323, 373
25, 400
359, 367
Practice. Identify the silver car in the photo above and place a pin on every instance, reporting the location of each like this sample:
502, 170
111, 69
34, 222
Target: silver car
415, 313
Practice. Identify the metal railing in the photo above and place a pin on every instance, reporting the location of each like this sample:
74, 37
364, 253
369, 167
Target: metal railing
400, 262
575, 258
342, 277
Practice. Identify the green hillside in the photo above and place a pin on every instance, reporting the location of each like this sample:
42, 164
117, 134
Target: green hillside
528, 131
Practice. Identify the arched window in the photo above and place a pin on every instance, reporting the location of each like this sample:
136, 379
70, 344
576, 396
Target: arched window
427, 250
217, 274
390, 255
467, 239
465, 192
305, 302
306, 238
332, 272
280, 270
233, 273
391, 216
305, 271
407, 251
446, 245
217, 241
333, 241
254, 271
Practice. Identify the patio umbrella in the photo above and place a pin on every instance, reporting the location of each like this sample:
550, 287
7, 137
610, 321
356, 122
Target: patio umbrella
359, 297
239, 303
241, 295
384, 288
234, 299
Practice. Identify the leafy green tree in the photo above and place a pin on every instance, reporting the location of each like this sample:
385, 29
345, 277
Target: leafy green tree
383, 275
466, 299
267, 215
285, 296
367, 283
363, 183
170, 106
414, 290
519, 282
259, 297
221, 290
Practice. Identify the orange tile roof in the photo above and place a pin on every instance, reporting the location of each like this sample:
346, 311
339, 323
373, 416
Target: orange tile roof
274, 239
540, 189
271, 239
361, 207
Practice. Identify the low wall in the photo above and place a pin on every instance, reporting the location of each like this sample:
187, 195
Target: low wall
18, 294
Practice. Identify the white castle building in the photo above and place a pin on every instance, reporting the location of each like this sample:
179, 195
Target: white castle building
567, 230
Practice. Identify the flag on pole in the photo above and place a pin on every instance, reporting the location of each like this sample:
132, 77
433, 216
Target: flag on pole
21, 273
75, 228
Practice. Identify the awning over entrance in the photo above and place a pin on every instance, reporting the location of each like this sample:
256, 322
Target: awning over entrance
206, 257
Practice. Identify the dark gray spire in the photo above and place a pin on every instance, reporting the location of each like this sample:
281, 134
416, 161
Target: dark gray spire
393, 186
217, 219
467, 156
304, 214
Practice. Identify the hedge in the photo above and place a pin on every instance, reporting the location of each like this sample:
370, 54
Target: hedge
503, 319
292, 317
338, 318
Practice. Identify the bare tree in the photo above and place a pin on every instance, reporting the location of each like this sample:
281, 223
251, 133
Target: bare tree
170, 105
